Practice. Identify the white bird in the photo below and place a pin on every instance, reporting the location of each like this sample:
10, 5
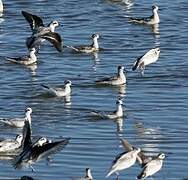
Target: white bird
119, 79
25, 60
11, 145
152, 166
18, 122
154, 19
40, 32
1, 6
148, 58
118, 113
123, 161
59, 92
94, 47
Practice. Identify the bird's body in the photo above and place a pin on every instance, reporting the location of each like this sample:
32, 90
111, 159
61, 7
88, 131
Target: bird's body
148, 58
59, 92
18, 122
152, 20
119, 79
24, 60
11, 145
118, 113
40, 32
152, 167
94, 47
123, 161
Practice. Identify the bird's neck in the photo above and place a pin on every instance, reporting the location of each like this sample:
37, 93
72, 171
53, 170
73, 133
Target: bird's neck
32, 55
95, 43
28, 117
88, 175
67, 88
156, 16
121, 74
52, 28
119, 110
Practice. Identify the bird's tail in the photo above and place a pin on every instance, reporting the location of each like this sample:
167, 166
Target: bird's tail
71, 47
110, 172
97, 113
5, 121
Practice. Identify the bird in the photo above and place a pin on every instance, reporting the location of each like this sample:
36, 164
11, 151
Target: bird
11, 145
149, 57
88, 175
40, 32
24, 60
152, 166
141, 158
123, 161
40, 149
119, 79
59, 92
152, 20
118, 113
94, 47
18, 122
1, 6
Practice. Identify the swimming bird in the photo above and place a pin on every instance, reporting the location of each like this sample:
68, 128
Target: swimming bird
152, 166
40, 32
59, 92
18, 122
88, 175
154, 19
40, 149
94, 47
118, 113
123, 161
1, 6
11, 145
150, 57
24, 60
119, 79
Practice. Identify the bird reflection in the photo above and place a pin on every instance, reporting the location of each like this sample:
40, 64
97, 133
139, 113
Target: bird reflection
155, 29
96, 60
119, 123
32, 69
122, 90
148, 134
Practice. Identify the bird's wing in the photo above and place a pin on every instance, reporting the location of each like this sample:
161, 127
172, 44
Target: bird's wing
137, 63
26, 142
33, 20
49, 148
53, 38
106, 79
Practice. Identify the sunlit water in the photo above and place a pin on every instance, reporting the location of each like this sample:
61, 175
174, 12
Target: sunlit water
155, 105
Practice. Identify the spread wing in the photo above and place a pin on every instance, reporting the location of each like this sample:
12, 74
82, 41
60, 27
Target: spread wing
45, 150
33, 20
54, 38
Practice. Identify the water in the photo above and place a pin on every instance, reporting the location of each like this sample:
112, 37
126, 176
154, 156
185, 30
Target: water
156, 104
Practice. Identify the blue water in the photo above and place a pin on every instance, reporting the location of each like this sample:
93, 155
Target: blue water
155, 105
